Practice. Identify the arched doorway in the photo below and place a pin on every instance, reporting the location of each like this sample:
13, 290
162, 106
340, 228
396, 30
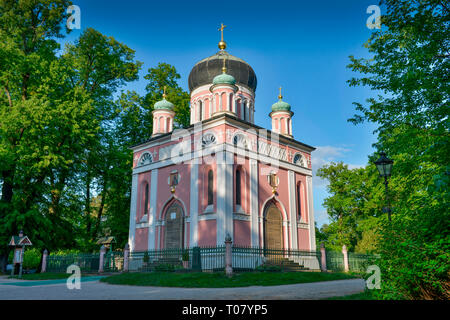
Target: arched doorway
273, 228
174, 227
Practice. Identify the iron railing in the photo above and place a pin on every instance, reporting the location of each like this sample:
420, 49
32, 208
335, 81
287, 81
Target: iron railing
213, 259
86, 261
113, 261
335, 260
359, 262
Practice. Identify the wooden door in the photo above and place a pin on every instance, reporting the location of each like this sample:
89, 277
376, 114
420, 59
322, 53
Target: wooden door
273, 228
174, 227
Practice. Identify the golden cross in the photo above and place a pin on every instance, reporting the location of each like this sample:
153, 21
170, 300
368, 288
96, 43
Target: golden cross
280, 96
224, 69
222, 27
164, 94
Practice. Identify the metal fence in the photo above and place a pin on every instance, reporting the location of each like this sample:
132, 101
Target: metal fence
86, 261
359, 262
113, 261
153, 260
335, 260
213, 259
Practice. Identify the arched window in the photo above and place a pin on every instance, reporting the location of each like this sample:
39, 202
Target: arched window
298, 159
238, 109
238, 187
245, 111
200, 111
299, 200
146, 200
210, 187
146, 158
223, 102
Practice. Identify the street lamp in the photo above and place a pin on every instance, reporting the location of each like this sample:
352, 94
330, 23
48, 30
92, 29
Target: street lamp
384, 166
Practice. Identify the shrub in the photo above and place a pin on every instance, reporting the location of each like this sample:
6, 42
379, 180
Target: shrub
146, 257
65, 252
31, 258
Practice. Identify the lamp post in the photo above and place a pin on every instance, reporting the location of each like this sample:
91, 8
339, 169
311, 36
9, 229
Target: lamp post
384, 166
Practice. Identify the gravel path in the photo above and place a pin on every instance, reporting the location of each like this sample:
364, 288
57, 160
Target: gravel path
95, 290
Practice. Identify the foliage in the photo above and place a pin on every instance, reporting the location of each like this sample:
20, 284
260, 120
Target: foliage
369, 240
355, 201
65, 162
410, 67
166, 75
66, 252
31, 258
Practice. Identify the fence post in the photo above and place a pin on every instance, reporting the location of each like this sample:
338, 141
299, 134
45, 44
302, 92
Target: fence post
323, 256
196, 259
345, 253
44, 261
102, 257
126, 253
228, 256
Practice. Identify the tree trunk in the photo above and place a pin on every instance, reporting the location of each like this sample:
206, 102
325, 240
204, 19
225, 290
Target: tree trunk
88, 204
100, 213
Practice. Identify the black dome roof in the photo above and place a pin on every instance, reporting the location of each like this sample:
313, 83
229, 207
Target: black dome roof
205, 71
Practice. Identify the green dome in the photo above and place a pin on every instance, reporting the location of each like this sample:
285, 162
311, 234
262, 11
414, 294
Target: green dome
281, 106
224, 79
164, 105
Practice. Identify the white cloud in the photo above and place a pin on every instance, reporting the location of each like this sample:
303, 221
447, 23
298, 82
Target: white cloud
321, 217
322, 156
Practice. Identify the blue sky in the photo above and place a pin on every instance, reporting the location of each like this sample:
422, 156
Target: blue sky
302, 46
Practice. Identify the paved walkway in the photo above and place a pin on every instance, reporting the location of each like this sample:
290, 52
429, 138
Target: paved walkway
92, 289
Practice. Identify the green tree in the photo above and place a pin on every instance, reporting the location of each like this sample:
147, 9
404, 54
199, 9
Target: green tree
55, 113
102, 65
27, 52
410, 67
354, 197
134, 125
165, 75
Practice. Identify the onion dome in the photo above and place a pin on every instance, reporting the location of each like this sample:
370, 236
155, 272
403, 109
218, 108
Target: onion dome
207, 69
164, 104
281, 105
224, 78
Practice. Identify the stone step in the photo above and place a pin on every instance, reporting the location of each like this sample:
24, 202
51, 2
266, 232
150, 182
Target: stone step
286, 264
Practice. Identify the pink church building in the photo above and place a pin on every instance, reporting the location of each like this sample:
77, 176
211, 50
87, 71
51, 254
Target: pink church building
223, 175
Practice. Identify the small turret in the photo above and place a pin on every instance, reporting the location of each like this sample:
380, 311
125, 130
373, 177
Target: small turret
163, 116
282, 117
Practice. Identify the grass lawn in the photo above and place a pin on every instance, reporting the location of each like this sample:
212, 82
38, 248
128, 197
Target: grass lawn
44, 276
366, 295
220, 280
